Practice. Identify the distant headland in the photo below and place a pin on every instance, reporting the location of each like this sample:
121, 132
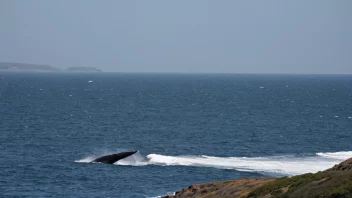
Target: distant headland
8, 66
83, 69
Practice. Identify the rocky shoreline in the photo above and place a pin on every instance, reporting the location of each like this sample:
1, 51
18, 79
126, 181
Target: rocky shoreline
331, 183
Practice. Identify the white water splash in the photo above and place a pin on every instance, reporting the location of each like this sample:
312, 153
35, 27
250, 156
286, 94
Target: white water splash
343, 155
133, 160
86, 159
169, 193
282, 166
277, 165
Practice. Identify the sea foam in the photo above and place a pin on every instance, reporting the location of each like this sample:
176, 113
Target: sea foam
269, 165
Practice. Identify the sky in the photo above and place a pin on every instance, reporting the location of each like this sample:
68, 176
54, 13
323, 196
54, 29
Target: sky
195, 36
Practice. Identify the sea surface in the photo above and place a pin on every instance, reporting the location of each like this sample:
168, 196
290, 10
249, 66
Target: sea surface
188, 128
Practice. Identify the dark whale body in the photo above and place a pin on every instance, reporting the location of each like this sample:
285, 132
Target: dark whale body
110, 159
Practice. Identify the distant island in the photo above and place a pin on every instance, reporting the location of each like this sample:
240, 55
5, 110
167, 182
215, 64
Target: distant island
26, 67
83, 69
8, 66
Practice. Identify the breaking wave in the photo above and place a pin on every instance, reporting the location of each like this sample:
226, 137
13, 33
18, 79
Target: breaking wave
338, 155
274, 165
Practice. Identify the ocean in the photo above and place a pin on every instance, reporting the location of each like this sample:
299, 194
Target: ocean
188, 128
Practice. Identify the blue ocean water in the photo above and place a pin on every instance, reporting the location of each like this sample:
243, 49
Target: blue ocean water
189, 128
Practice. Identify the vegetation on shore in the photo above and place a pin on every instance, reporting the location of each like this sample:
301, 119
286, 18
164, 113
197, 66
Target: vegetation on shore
335, 182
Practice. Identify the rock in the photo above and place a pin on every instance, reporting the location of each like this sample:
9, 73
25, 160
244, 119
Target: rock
343, 166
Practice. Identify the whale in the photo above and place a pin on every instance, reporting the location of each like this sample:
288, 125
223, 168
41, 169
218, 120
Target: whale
110, 159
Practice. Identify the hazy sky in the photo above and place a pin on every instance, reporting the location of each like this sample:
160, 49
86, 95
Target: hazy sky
297, 36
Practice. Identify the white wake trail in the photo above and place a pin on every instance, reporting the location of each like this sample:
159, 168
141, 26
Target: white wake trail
282, 165
277, 165
343, 155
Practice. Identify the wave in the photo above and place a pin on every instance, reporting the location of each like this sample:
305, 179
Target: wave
272, 165
337, 155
